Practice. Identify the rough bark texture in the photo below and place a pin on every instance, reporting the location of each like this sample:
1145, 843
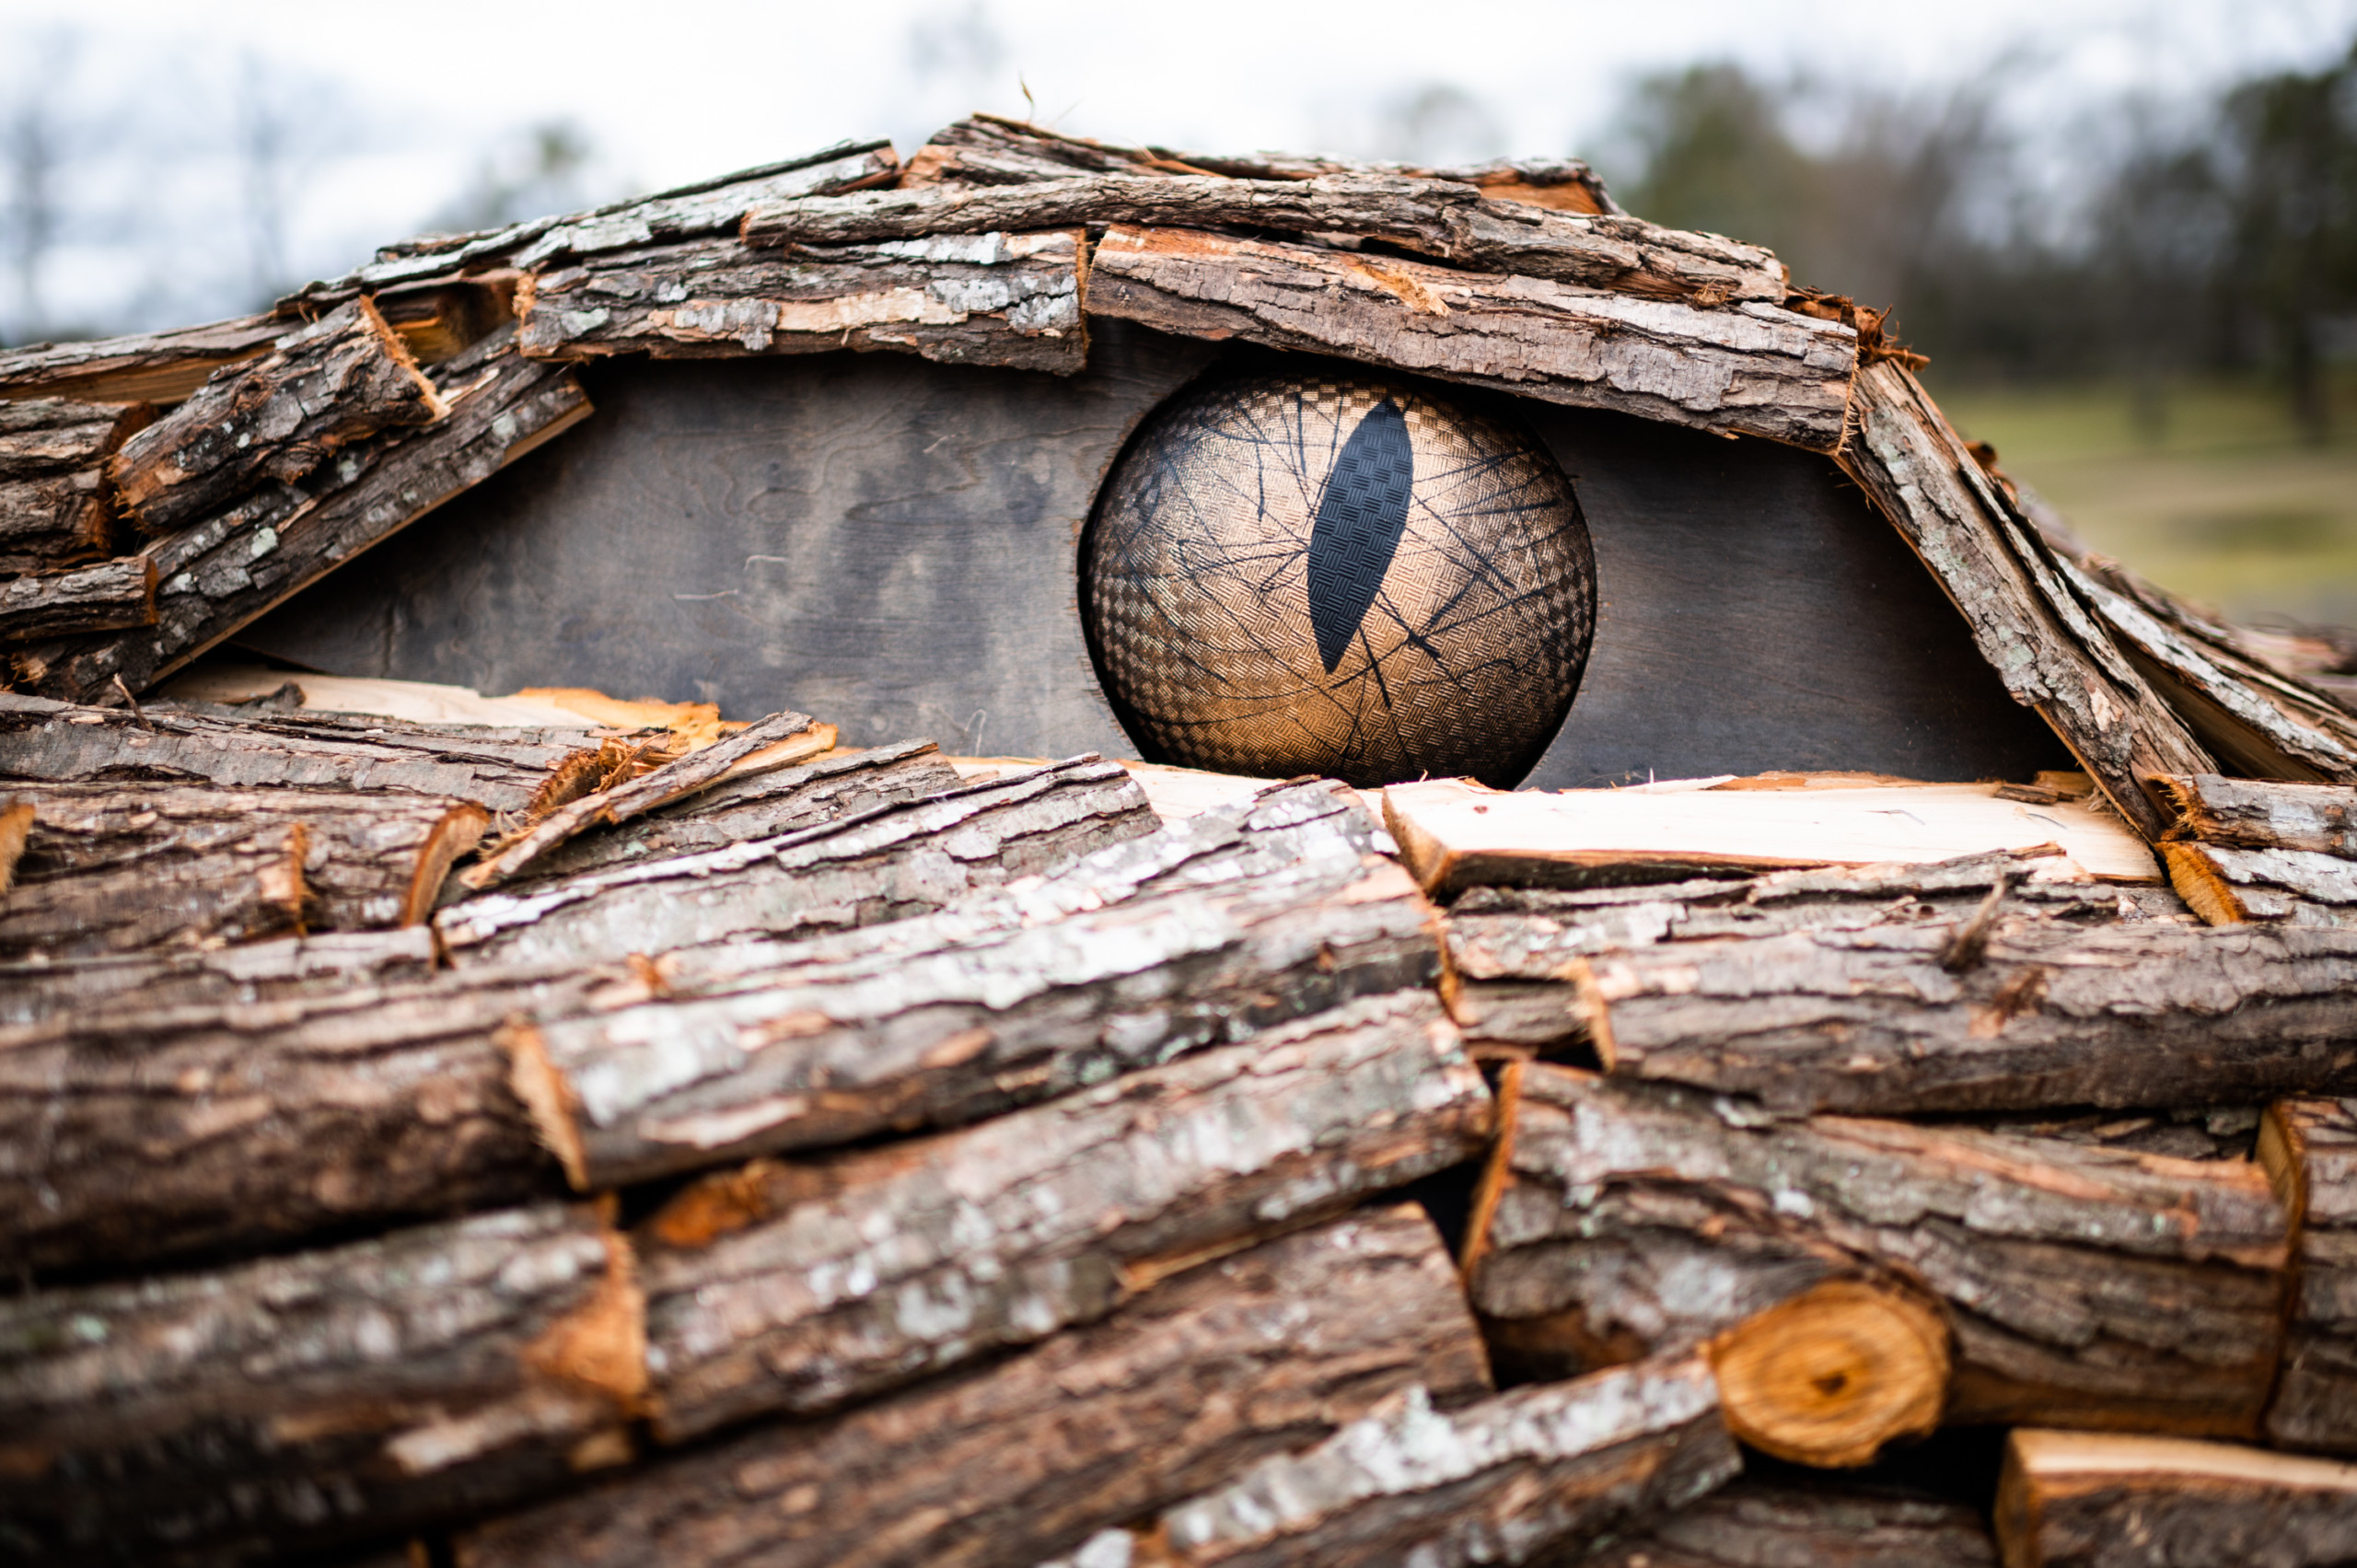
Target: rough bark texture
113, 869
2230, 887
1005, 299
1449, 222
1190, 1382
902, 861
322, 387
2264, 814
2310, 1151
220, 574
54, 506
2151, 1014
800, 1287
2070, 1501
1531, 1476
1760, 1524
2084, 1286
333, 1396
143, 368
2038, 637
1756, 369
37, 989
108, 596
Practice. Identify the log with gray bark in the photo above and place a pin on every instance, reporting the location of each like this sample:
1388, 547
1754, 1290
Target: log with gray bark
2026, 620
55, 507
333, 1396
2309, 1149
1532, 1476
108, 596
998, 1468
1003, 299
160, 368
2228, 885
112, 868
1763, 1524
1755, 369
168, 979
223, 572
2071, 1500
2307, 819
799, 1287
322, 387
2084, 1286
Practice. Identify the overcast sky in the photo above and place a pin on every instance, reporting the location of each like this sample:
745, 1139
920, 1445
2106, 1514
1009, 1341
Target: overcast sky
398, 107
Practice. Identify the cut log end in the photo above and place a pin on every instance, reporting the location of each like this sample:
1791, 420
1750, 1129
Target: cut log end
2197, 881
457, 833
1829, 1376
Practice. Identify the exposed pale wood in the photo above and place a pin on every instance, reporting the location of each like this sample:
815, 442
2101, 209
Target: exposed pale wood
221, 573
112, 868
1828, 1376
39, 989
996, 1467
1762, 1524
56, 508
1004, 299
440, 320
2084, 1286
105, 597
798, 1287
2265, 814
2309, 1148
1756, 369
160, 367
2147, 1014
2228, 887
1454, 833
2068, 1500
16, 832
1531, 1476
2008, 587
321, 387
328, 1397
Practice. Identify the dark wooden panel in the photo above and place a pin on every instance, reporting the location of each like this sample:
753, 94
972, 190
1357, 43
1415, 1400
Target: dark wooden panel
890, 544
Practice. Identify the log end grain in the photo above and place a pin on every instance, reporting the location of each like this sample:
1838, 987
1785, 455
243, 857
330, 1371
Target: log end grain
1831, 1376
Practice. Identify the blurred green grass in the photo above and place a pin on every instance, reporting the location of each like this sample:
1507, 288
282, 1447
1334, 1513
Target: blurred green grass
2217, 498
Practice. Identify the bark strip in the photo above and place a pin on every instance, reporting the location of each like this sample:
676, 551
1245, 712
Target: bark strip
108, 596
56, 508
2264, 814
1762, 1524
160, 367
2068, 1500
2309, 1149
2227, 886
165, 981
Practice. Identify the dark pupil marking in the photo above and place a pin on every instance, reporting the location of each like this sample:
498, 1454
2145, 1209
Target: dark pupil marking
1360, 520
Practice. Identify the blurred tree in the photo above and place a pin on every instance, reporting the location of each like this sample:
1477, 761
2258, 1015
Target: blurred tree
1438, 125
1714, 155
542, 170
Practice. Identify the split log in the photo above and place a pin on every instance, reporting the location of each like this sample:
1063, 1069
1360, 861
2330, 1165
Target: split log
2071, 1500
1005, 1465
800, 1287
114, 869
1531, 1476
108, 596
2309, 1148
2008, 584
1762, 1524
35, 990
54, 506
2264, 814
224, 572
144, 368
2230, 887
2153, 1014
1004, 299
1756, 369
339, 379
331, 1397
2083, 1287
902, 861
1449, 222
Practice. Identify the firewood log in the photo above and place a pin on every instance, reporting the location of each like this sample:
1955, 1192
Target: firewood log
1531, 1476
2264, 814
35, 990
225, 570
108, 596
110, 868
1757, 370
2070, 1499
2008, 584
160, 367
55, 509
2084, 1286
1760, 1524
2309, 1148
321, 387
1004, 299
800, 1287
1005, 1464
332, 1396
2228, 885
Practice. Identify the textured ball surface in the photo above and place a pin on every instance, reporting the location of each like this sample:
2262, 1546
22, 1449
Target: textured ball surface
1345, 576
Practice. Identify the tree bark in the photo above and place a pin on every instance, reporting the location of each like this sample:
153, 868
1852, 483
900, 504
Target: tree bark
996, 1467
903, 861
2084, 1286
2008, 587
2232, 887
55, 509
1753, 370
321, 387
798, 1288
1004, 299
1533, 1475
108, 596
2264, 814
38, 991
2309, 1148
143, 367
2147, 1015
2071, 1501
331, 1396
1762, 1524
225, 571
